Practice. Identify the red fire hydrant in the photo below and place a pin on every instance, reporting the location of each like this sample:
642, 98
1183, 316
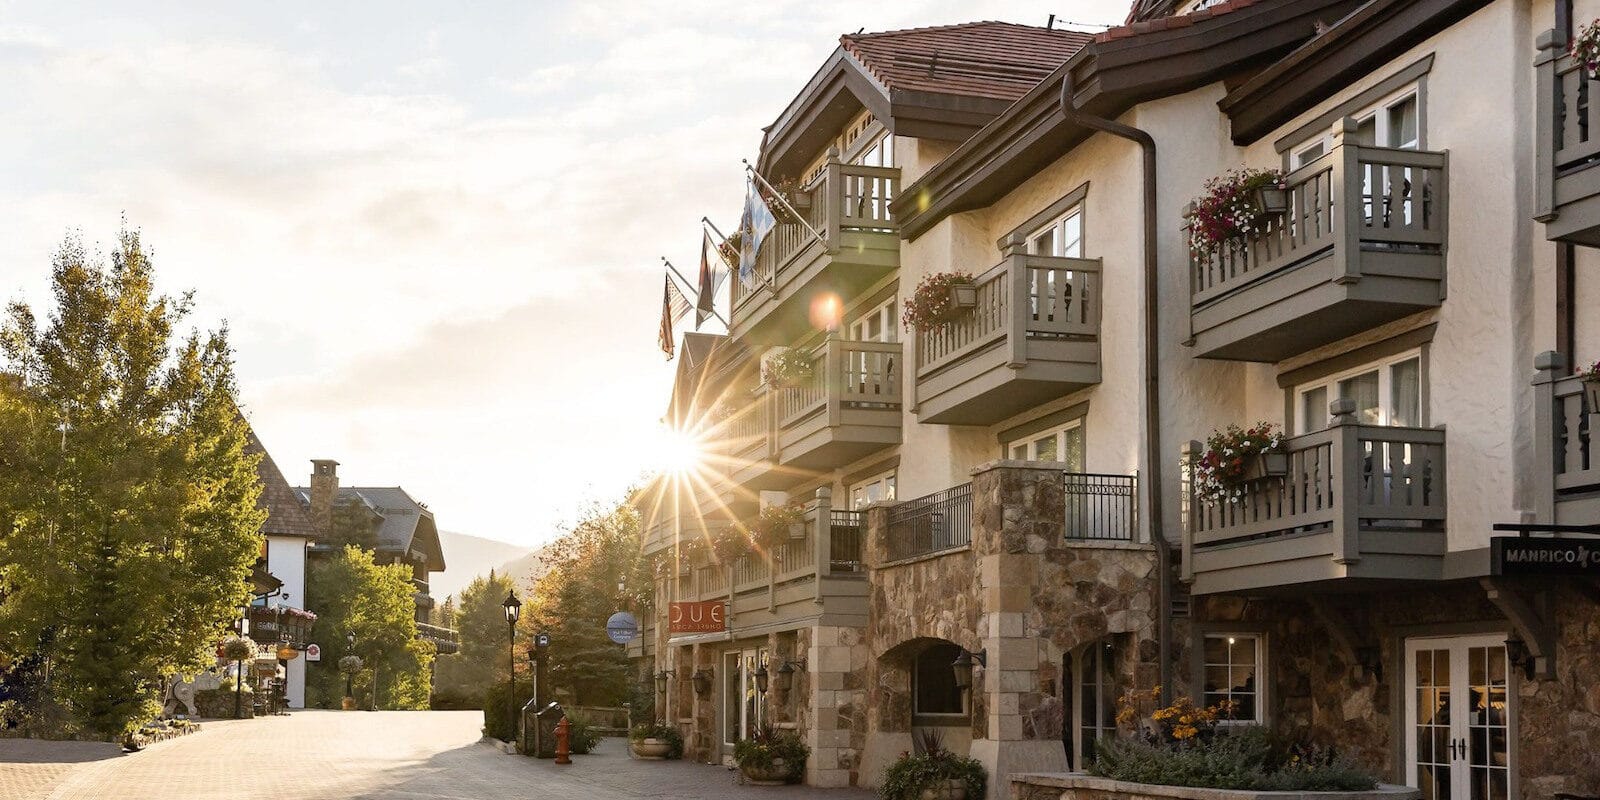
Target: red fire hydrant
563, 729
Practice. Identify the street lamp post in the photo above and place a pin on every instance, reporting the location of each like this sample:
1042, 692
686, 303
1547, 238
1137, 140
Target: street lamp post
349, 649
513, 608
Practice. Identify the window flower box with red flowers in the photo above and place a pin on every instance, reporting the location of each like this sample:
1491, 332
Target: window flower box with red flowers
1235, 205
1591, 387
939, 298
1235, 457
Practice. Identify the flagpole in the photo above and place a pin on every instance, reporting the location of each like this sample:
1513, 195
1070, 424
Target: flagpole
777, 195
685, 282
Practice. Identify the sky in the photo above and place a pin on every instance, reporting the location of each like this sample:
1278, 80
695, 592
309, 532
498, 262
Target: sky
433, 230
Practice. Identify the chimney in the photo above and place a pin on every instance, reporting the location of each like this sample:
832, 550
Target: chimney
324, 488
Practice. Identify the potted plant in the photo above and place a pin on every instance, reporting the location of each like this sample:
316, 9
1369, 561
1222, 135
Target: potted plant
1235, 457
349, 666
934, 773
770, 758
939, 298
788, 368
1585, 49
1235, 205
653, 741
776, 525
1591, 387
730, 544
730, 248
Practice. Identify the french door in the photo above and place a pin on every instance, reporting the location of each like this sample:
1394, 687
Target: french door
1458, 718
742, 710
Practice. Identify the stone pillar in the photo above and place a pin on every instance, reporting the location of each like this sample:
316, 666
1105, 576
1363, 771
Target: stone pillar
324, 490
836, 666
1018, 511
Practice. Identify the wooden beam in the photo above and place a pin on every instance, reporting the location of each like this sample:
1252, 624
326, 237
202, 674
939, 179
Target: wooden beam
1535, 628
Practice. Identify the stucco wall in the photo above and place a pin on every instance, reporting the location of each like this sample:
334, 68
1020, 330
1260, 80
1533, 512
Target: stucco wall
286, 560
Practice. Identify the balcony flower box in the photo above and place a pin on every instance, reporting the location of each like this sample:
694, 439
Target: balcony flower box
939, 299
1585, 49
789, 368
1235, 457
1235, 205
1266, 465
1591, 387
963, 295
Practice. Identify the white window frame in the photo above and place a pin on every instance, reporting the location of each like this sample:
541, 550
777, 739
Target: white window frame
885, 480
1380, 119
1057, 228
1029, 444
856, 330
1262, 683
1085, 671
1385, 369
879, 152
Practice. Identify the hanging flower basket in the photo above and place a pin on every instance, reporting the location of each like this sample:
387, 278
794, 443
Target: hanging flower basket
789, 368
776, 525
1591, 387
1236, 457
939, 299
1235, 205
730, 545
1585, 49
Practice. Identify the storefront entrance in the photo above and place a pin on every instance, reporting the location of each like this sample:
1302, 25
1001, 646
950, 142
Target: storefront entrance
1458, 718
742, 709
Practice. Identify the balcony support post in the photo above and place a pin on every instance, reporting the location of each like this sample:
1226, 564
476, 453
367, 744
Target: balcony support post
1550, 365
1190, 451
1346, 457
822, 537
1533, 624
833, 377
833, 190
1347, 176
1551, 47
1015, 252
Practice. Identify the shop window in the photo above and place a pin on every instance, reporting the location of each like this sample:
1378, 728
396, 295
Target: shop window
933, 684
1233, 670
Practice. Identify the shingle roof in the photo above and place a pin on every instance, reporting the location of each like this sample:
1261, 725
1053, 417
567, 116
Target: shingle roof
1160, 23
286, 516
1000, 60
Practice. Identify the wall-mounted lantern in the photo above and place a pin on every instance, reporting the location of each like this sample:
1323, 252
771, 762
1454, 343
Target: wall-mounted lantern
702, 681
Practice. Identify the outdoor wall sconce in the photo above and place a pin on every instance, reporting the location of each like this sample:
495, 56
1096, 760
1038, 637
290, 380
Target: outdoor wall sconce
1520, 656
661, 679
761, 678
786, 675
963, 667
702, 681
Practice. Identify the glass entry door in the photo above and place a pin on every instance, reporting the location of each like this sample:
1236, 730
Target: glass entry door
742, 709
1458, 718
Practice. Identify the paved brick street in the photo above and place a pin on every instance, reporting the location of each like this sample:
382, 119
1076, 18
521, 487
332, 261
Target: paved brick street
330, 754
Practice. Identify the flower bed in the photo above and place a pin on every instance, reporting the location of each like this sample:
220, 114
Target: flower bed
158, 730
771, 757
933, 771
1234, 457
1230, 209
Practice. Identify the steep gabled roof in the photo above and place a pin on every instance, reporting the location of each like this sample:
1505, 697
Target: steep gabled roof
286, 516
999, 60
405, 524
707, 364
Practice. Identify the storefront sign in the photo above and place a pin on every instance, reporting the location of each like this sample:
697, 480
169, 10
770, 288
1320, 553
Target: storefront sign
703, 617
313, 652
622, 627
1518, 555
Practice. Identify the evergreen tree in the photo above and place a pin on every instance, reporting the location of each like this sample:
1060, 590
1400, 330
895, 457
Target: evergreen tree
131, 502
352, 594
480, 626
595, 570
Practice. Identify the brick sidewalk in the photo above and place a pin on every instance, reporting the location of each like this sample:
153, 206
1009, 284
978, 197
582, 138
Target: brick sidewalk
420, 755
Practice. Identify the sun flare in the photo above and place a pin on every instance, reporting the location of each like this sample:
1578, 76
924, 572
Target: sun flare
677, 452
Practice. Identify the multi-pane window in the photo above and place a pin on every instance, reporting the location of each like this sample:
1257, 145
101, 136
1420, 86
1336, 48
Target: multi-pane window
1063, 444
1094, 688
876, 325
874, 489
933, 681
1233, 673
1062, 237
1386, 393
878, 154
1394, 121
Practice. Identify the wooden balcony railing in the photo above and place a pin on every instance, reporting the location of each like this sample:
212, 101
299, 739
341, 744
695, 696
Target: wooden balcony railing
1348, 479
1567, 144
1059, 298
1353, 199
844, 373
1568, 429
830, 547
844, 198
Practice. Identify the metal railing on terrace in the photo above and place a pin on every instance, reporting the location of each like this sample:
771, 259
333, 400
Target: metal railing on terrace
846, 529
939, 521
1101, 507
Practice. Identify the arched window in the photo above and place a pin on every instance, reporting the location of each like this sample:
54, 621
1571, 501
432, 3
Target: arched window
935, 698
1090, 685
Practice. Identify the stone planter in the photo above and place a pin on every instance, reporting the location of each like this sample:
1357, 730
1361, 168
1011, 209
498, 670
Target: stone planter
964, 295
947, 789
1266, 465
1077, 786
348, 704
1591, 396
652, 749
776, 775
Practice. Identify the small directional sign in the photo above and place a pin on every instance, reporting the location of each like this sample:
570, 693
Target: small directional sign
541, 639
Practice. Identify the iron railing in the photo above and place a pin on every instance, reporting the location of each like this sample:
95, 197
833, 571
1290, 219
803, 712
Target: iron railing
1101, 507
939, 521
844, 545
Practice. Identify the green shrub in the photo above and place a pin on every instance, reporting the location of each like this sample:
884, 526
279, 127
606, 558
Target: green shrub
652, 730
581, 738
1242, 758
912, 772
767, 746
497, 724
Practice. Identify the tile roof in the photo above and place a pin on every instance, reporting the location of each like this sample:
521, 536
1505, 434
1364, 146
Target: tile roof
999, 60
286, 516
1162, 23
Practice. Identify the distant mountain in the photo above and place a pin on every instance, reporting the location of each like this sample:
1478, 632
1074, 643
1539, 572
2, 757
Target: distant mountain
525, 568
467, 557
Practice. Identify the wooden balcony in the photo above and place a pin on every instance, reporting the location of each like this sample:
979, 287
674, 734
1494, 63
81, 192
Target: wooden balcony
821, 572
1567, 150
743, 445
1361, 244
1567, 424
847, 242
1033, 336
849, 410
1358, 504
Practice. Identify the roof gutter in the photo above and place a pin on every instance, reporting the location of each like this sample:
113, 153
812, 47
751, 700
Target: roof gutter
1152, 362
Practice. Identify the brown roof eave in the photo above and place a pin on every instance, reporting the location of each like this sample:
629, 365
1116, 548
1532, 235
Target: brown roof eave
1365, 39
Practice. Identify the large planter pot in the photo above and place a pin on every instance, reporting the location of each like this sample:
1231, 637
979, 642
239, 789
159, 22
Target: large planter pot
964, 295
1591, 396
652, 749
947, 789
348, 704
1266, 465
776, 775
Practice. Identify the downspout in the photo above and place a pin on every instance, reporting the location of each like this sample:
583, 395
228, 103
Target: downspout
1152, 364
